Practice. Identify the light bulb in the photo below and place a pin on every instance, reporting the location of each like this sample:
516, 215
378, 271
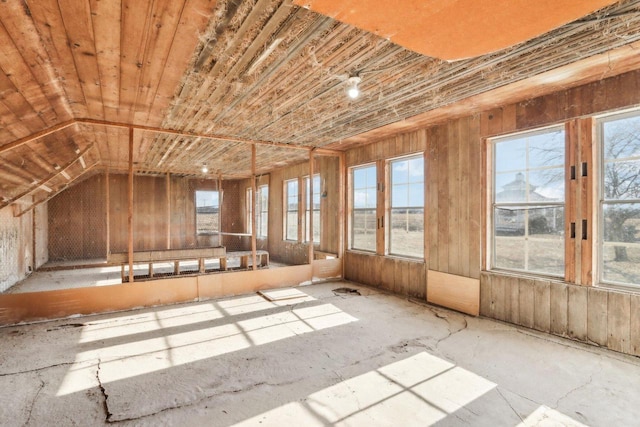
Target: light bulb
205, 169
353, 91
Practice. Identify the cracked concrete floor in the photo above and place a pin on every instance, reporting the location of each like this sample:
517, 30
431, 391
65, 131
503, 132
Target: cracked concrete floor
325, 358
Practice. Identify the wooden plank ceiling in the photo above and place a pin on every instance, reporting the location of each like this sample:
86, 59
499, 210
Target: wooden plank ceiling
225, 73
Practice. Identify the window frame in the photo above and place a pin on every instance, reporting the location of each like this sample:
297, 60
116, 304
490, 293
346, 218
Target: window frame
248, 209
353, 209
526, 206
262, 210
287, 210
308, 208
200, 232
601, 199
388, 204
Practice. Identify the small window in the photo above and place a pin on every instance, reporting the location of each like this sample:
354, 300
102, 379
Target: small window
620, 200
529, 202
207, 212
363, 212
291, 209
262, 211
315, 209
248, 210
406, 211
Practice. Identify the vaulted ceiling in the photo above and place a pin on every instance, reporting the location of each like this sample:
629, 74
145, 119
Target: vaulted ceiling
200, 80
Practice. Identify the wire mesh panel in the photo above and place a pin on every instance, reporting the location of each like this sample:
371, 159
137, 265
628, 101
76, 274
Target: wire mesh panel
77, 222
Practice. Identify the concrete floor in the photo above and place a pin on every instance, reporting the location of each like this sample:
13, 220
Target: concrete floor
323, 358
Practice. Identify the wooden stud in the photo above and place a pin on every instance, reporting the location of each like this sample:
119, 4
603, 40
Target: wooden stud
168, 202
309, 198
130, 198
586, 141
107, 203
253, 208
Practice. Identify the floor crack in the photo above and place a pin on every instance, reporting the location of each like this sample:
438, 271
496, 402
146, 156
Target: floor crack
28, 371
33, 402
104, 395
509, 403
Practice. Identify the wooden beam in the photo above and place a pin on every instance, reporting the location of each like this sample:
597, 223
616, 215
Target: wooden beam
253, 207
191, 134
220, 199
130, 216
37, 135
37, 185
19, 214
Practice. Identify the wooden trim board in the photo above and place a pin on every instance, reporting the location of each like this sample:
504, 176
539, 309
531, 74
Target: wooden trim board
455, 292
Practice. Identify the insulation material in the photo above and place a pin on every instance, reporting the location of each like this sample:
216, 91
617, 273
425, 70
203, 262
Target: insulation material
15, 247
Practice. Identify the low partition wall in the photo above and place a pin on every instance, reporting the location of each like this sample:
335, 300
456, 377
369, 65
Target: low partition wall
34, 306
398, 275
599, 316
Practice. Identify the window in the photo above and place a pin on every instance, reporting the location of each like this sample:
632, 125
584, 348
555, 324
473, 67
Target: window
619, 210
315, 209
262, 211
363, 212
406, 211
248, 209
291, 209
528, 202
207, 212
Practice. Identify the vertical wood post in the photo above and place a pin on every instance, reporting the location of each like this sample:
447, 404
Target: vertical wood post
107, 203
220, 199
342, 212
253, 207
34, 259
310, 207
130, 194
168, 188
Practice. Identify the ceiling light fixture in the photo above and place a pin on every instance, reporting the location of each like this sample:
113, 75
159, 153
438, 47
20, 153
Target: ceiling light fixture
205, 169
352, 87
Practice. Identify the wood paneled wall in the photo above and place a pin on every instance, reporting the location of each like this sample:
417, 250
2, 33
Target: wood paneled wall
454, 197
596, 315
452, 206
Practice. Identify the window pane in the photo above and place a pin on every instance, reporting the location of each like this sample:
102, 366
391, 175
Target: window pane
621, 235
363, 219
407, 232
292, 225
622, 180
207, 211
510, 155
546, 185
530, 239
406, 225
363, 229
546, 149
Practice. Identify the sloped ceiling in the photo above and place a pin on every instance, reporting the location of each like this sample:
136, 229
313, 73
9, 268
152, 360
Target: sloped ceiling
76, 73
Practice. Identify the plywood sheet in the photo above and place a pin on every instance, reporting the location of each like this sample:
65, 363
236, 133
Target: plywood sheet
455, 29
455, 292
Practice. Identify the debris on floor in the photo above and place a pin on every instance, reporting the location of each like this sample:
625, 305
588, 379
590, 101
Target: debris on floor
349, 291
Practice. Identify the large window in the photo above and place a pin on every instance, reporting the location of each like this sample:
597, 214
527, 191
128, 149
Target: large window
528, 202
406, 211
620, 199
291, 209
315, 209
363, 212
262, 211
207, 211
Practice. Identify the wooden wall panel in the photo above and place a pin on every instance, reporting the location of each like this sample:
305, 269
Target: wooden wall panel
592, 315
77, 216
77, 221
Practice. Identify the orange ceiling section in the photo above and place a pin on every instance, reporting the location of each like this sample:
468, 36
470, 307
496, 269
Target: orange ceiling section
456, 29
